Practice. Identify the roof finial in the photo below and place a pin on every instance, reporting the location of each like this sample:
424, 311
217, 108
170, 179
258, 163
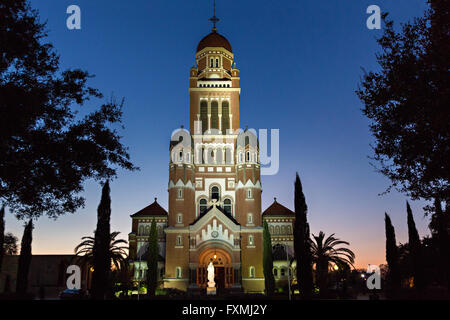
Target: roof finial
275, 199
214, 19
156, 199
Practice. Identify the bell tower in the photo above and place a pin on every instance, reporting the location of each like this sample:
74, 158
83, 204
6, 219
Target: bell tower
214, 181
214, 87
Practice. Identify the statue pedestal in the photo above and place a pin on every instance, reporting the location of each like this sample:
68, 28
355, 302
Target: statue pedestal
211, 291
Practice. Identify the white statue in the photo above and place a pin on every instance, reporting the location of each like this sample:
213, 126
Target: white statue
211, 283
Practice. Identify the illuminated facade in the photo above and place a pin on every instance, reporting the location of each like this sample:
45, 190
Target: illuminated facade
214, 188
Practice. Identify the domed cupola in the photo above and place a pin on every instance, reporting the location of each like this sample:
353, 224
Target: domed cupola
214, 40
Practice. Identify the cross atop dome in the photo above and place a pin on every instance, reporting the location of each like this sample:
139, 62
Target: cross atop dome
214, 19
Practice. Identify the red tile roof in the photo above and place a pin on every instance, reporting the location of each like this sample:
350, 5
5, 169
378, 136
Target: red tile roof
276, 209
152, 210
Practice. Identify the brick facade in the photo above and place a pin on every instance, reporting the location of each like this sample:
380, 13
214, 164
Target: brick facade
214, 185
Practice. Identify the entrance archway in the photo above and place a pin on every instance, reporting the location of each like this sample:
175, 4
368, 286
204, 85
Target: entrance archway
221, 259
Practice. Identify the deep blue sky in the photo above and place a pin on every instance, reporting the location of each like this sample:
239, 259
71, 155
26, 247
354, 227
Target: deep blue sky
300, 64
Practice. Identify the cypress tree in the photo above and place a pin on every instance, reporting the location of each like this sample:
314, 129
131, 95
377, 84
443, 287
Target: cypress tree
393, 277
2, 235
152, 260
101, 255
415, 251
24, 260
269, 280
302, 245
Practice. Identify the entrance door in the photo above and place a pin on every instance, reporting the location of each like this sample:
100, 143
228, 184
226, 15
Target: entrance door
220, 278
223, 270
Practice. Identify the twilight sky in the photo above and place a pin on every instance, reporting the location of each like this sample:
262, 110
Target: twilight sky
300, 64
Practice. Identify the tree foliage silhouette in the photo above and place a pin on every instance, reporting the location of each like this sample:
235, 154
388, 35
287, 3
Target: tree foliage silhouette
2, 235
269, 279
84, 251
442, 240
101, 254
325, 253
24, 260
302, 245
48, 149
152, 260
407, 102
392, 258
415, 249
10, 244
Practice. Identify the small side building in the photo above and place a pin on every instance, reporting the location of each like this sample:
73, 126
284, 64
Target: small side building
281, 225
138, 240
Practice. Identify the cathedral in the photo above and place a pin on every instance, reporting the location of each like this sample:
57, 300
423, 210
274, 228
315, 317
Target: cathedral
214, 209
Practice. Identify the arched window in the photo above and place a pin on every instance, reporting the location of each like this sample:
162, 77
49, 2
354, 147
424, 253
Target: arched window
215, 193
247, 157
211, 65
178, 273
181, 155
275, 272
250, 218
180, 193
219, 156
228, 207
210, 156
180, 218
188, 157
283, 271
252, 272
225, 116
277, 230
289, 230
141, 230
271, 230
241, 159
147, 230
179, 241
249, 194
250, 240
202, 156
283, 230
202, 206
228, 156
204, 115
214, 114
217, 62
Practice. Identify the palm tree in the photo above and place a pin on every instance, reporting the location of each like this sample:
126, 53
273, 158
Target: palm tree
117, 252
326, 254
